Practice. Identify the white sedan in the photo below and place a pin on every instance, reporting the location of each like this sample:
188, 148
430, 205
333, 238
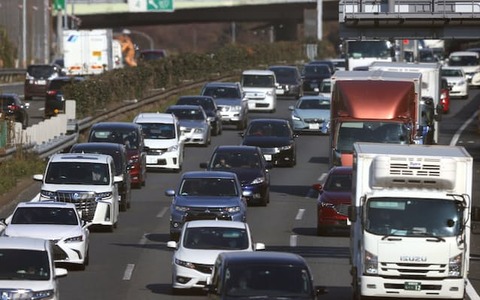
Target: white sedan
58, 222
199, 244
457, 81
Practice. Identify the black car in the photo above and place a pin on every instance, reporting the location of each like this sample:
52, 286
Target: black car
313, 75
54, 100
119, 155
130, 135
289, 81
262, 274
210, 108
37, 79
13, 106
276, 139
250, 166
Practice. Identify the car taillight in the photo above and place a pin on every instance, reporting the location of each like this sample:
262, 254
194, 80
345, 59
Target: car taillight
51, 93
13, 107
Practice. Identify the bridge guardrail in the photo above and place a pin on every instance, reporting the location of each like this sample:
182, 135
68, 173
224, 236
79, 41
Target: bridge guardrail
12, 75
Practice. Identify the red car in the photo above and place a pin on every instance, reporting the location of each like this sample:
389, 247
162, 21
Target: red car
445, 96
334, 199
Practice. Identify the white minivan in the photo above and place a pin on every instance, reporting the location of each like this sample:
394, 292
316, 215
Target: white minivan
165, 146
469, 61
260, 89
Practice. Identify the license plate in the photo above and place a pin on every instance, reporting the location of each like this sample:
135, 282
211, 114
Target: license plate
280, 92
268, 157
413, 286
41, 82
152, 160
314, 126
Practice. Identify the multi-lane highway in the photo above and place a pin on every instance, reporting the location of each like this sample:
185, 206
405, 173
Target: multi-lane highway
134, 263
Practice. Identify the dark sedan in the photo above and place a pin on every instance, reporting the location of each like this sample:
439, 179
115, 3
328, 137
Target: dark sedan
313, 75
210, 108
54, 99
249, 165
333, 200
289, 81
12, 106
276, 139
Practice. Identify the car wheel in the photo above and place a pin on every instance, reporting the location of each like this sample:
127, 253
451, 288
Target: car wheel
123, 204
86, 261
220, 128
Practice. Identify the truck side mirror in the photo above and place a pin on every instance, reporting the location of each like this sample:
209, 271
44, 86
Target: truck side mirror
352, 216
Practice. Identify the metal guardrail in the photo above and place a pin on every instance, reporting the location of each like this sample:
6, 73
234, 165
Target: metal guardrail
12, 75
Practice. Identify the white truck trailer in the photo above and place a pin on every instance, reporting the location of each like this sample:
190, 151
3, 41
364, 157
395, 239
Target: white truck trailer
410, 214
90, 52
431, 84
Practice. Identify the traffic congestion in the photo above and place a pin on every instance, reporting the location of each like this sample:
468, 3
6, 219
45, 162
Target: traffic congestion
184, 166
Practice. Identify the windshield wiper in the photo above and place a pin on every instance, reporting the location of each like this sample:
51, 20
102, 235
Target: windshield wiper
392, 234
429, 235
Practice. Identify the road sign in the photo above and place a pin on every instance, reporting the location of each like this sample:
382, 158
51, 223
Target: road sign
59, 4
150, 5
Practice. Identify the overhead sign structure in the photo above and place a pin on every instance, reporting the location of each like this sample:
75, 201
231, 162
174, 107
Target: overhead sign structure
59, 4
150, 5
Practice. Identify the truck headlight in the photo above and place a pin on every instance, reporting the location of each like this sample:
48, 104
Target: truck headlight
370, 263
455, 266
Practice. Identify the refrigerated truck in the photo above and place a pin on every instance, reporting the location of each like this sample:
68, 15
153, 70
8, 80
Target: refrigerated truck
410, 216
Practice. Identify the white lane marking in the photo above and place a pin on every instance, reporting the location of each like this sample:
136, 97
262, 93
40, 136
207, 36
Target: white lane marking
457, 134
472, 294
300, 214
128, 272
162, 212
293, 240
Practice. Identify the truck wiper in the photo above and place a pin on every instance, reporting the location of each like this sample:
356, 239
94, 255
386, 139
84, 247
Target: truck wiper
392, 234
429, 235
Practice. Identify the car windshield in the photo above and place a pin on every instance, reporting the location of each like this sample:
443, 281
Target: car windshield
24, 264
258, 81
451, 73
158, 131
268, 129
77, 173
127, 137
115, 154
222, 92
187, 114
314, 104
221, 238
219, 187
45, 215
318, 70
236, 160
275, 280
463, 60
338, 183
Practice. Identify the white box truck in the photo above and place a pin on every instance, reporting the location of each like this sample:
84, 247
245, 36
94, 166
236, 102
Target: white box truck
431, 84
410, 214
89, 52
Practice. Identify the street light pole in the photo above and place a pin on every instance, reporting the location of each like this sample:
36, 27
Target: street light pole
24, 34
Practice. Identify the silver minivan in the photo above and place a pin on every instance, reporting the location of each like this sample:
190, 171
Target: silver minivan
260, 89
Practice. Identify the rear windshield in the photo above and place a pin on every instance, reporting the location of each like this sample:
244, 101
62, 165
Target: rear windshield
41, 71
222, 92
128, 138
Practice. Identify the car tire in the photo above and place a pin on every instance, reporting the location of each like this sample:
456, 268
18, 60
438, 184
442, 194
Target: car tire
123, 205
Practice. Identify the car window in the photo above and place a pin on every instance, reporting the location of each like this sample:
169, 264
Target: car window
187, 114
268, 129
222, 92
258, 81
314, 104
339, 183
41, 71
216, 238
208, 187
241, 159
128, 138
158, 131
322, 70
205, 103
45, 215
29, 264
77, 173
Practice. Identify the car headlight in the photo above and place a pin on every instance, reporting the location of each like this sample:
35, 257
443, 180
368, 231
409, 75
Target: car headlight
181, 208
283, 148
269, 93
455, 266
211, 119
198, 130
172, 148
74, 239
185, 264
104, 195
233, 209
40, 295
295, 117
258, 180
461, 82
48, 194
236, 108
370, 263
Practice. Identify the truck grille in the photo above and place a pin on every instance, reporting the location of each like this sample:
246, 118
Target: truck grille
84, 201
413, 271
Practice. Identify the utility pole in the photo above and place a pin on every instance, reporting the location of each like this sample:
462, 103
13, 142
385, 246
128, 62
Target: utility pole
24, 34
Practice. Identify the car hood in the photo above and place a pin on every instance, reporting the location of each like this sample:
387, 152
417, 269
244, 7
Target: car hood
313, 113
160, 143
206, 201
76, 188
246, 175
206, 257
48, 232
266, 141
192, 123
336, 197
228, 101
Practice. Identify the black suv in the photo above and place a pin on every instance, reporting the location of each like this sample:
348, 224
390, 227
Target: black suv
119, 154
210, 108
13, 106
54, 100
289, 81
37, 79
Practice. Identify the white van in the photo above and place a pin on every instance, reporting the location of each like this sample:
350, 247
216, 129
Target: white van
469, 61
163, 139
260, 89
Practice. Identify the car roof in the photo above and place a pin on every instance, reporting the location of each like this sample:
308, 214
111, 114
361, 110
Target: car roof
341, 170
282, 67
24, 243
9, 95
155, 118
78, 157
185, 107
266, 120
258, 72
200, 97
221, 84
215, 223
263, 257
464, 53
228, 148
209, 174
37, 204
116, 125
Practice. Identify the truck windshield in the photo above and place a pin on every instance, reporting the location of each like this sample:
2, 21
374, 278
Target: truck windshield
413, 217
374, 132
362, 49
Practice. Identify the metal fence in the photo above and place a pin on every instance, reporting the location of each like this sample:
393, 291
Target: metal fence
28, 24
